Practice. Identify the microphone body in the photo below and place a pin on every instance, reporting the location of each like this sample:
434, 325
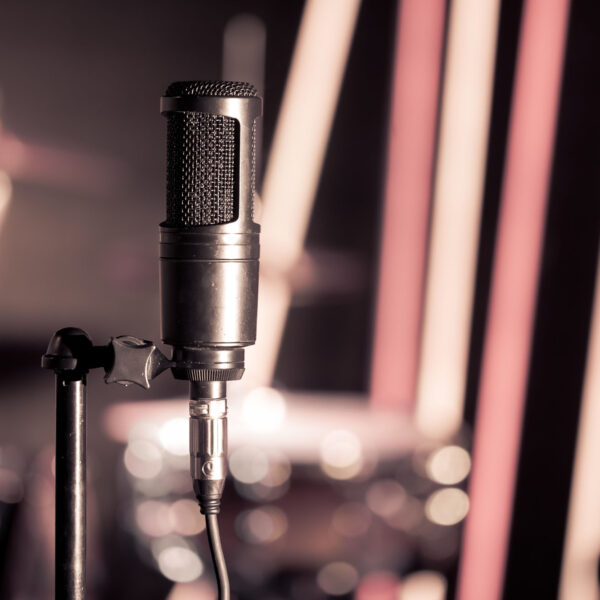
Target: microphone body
209, 253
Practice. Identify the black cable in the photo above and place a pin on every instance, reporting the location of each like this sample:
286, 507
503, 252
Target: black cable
216, 551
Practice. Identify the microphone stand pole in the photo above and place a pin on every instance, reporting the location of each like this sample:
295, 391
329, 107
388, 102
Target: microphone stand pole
70, 512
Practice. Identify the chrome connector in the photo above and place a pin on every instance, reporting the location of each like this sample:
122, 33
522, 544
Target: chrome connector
208, 444
208, 439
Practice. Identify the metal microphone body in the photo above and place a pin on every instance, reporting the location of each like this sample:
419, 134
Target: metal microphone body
209, 252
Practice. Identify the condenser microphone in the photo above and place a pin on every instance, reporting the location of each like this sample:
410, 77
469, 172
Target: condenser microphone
209, 251
209, 245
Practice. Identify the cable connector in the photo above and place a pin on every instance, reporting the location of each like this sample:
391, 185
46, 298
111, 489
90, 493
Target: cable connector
208, 443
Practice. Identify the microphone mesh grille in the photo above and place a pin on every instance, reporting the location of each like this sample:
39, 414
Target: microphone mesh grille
201, 169
237, 89
202, 156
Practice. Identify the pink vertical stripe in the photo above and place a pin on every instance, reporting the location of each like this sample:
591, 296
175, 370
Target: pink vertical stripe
513, 294
415, 94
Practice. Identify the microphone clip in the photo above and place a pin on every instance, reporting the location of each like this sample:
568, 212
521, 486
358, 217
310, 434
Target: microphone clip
125, 359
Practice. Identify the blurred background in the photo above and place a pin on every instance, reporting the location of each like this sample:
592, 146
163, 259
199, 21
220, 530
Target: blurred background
420, 418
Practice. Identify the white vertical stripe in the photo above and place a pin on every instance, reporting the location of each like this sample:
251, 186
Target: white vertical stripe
457, 201
579, 577
295, 163
5, 194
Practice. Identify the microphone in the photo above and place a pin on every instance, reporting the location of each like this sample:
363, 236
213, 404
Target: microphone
209, 251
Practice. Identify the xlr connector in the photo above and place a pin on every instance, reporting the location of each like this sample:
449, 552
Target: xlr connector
208, 442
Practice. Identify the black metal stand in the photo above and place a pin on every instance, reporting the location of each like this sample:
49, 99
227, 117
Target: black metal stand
70, 487
71, 355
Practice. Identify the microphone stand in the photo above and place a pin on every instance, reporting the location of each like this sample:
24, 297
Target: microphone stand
71, 355
209, 252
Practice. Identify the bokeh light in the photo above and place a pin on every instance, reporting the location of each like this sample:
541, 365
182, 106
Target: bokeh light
197, 590
341, 454
39, 491
448, 465
180, 564
248, 464
408, 517
143, 459
423, 585
143, 430
263, 409
273, 485
5, 194
185, 517
152, 518
279, 471
261, 525
337, 578
11, 486
351, 519
386, 497
447, 506
175, 436
379, 585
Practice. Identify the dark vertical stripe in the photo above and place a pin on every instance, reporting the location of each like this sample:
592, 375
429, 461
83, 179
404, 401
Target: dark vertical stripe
562, 322
506, 56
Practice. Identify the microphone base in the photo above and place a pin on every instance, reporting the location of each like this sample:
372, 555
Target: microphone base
204, 365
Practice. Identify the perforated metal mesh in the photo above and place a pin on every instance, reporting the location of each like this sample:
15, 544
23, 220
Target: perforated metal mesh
201, 169
237, 89
202, 154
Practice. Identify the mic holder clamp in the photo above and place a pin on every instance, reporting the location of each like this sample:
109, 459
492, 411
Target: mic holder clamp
71, 351
71, 354
125, 359
135, 361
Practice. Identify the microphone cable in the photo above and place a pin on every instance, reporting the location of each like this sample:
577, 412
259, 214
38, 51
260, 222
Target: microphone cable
216, 551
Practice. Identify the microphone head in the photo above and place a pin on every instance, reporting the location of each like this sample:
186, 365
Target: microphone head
203, 157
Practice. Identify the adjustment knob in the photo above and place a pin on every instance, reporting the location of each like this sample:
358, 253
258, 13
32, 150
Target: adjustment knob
135, 361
